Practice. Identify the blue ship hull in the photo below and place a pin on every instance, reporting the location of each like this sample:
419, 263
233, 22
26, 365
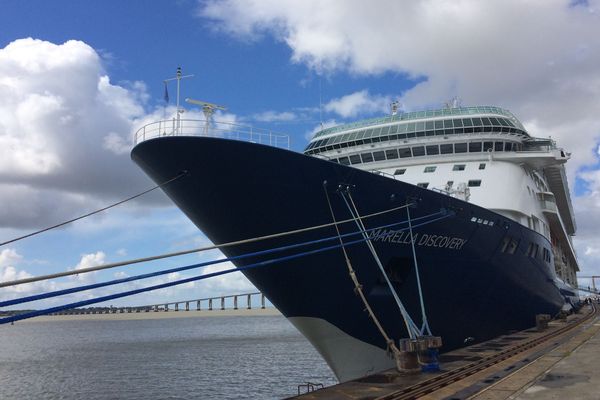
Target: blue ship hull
472, 288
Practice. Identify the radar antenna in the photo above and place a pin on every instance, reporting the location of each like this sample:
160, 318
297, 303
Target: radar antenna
208, 109
395, 106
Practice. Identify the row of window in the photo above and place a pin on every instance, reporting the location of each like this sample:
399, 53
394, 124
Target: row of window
470, 183
418, 151
421, 115
432, 168
510, 245
415, 129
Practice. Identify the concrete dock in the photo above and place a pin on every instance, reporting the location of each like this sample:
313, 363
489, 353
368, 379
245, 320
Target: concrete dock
558, 362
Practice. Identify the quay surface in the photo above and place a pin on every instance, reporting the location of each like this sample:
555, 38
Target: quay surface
565, 366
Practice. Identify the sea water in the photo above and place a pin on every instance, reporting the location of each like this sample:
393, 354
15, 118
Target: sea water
249, 357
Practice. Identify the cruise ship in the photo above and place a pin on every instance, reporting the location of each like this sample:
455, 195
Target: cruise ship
453, 222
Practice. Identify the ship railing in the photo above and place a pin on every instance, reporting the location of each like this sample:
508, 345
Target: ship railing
224, 130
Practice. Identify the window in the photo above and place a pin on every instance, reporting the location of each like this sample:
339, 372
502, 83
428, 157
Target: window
423, 185
487, 146
379, 155
498, 146
509, 245
400, 171
460, 147
430, 169
418, 151
432, 150
391, 154
355, 159
344, 161
446, 149
482, 166
474, 183
366, 157
405, 152
474, 147
459, 167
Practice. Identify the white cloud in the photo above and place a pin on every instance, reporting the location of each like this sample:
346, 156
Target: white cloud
274, 116
65, 133
541, 61
89, 261
359, 103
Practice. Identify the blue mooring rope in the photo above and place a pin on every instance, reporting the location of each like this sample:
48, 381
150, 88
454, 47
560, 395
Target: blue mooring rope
443, 213
76, 289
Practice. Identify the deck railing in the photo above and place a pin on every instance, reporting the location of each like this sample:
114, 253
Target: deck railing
224, 130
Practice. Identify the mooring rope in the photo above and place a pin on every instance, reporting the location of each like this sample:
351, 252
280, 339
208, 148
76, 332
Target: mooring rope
62, 292
358, 289
425, 323
183, 252
260, 264
93, 212
411, 327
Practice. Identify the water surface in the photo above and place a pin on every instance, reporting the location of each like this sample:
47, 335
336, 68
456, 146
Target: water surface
253, 357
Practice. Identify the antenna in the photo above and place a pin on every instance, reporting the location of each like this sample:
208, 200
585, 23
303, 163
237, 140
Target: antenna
208, 109
454, 102
178, 77
395, 105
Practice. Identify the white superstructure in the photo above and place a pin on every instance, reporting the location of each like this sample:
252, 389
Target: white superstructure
480, 154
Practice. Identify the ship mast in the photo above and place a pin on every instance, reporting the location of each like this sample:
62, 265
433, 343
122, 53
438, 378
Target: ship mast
178, 77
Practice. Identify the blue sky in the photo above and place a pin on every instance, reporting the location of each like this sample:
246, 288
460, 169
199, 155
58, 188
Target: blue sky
91, 74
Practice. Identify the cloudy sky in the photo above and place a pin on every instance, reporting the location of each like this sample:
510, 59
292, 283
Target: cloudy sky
77, 79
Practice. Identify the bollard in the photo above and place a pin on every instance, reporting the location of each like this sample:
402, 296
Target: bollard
262, 301
235, 306
222, 303
429, 352
541, 321
409, 361
249, 302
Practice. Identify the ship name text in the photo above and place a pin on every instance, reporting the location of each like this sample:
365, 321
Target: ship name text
419, 239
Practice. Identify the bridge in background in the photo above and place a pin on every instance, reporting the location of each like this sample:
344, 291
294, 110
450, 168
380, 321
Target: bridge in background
229, 302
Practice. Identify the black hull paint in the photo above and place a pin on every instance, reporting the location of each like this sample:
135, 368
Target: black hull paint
237, 190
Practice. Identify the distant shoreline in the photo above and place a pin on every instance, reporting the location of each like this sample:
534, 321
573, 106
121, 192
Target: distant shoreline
270, 311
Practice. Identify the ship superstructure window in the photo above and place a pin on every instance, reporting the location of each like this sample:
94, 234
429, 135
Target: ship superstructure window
475, 147
400, 171
366, 157
379, 156
459, 167
460, 147
474, 183
355, 159
405, 152
418, 151
482, 166
446, 149
429, 169
423, 185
